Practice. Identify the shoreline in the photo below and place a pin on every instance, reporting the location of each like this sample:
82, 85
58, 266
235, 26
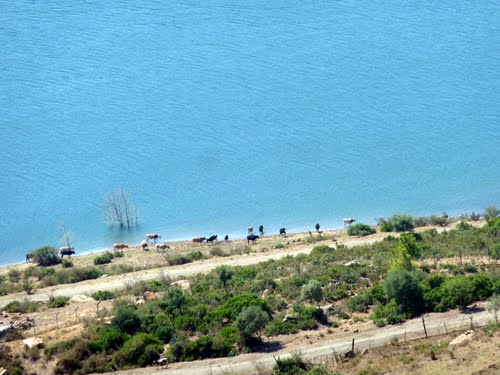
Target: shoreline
233, 236
293, 238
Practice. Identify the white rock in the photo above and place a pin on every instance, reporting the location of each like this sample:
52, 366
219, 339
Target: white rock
183, 284
33, 342
462, 339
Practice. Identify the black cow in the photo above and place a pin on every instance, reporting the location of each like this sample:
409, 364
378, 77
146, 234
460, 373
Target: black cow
226, 237
211, 239
252, 238
29, 257
317, 227
67, 250
283, 232
261, 230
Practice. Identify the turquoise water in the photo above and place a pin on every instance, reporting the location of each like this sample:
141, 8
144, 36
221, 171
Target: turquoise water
218, 115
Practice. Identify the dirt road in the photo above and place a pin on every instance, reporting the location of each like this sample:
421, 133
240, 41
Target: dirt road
323, 348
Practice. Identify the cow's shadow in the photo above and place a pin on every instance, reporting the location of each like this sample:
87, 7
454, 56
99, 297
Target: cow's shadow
268, 347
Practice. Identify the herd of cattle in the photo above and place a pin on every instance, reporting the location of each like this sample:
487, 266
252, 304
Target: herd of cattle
251, 239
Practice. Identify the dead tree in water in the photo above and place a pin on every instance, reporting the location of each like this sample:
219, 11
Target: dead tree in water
118, 209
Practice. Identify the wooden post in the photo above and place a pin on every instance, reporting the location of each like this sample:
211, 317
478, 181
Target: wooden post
445, 328
425, 329
76, 315
352, 349
98, 306
471, 326
57, 319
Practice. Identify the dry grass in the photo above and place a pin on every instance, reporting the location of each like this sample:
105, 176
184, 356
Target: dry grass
430, 356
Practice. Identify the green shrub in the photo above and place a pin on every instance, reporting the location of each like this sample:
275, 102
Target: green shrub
175, 260
312, 291
140, 351
126, 320
217, 251
45, 256
105, 258
14, 275
404, 288
291, 365
438, 220
57, 302
234, 305
420, 221
360, 229
111, 339
103, 295
359, 303
66, 263
22, 307
387, 226
459, 291
390, 313
252, 320
280, 246
321, 250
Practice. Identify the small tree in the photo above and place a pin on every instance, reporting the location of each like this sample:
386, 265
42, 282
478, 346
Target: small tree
403, 286
491, 212
225, 274
402, 223
312, 291
120, 210
45, 256
459, 291
251, 320
494, 305
406, 250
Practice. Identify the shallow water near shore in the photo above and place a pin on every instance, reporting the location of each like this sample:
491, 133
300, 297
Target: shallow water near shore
217, 116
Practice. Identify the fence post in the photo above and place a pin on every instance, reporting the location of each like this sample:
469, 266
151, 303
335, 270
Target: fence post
76, 315
446, 329
471, 325
425, 329
352, 349
98, 306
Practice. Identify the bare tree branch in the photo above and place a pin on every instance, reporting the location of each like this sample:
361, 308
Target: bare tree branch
118, 209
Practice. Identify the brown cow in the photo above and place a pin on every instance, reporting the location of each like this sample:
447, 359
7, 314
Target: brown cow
199, 239
250, 230
120, 246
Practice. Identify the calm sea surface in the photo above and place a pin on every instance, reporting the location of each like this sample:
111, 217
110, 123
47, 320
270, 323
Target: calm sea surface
216, 115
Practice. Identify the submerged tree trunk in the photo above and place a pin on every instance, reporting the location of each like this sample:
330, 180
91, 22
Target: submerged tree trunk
118, 209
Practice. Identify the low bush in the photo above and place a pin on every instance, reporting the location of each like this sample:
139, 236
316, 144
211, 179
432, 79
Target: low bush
175, 260
22, 307
45, 256
57, 302
66, 263
360, 229
103, 259
103, 295
420, 221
